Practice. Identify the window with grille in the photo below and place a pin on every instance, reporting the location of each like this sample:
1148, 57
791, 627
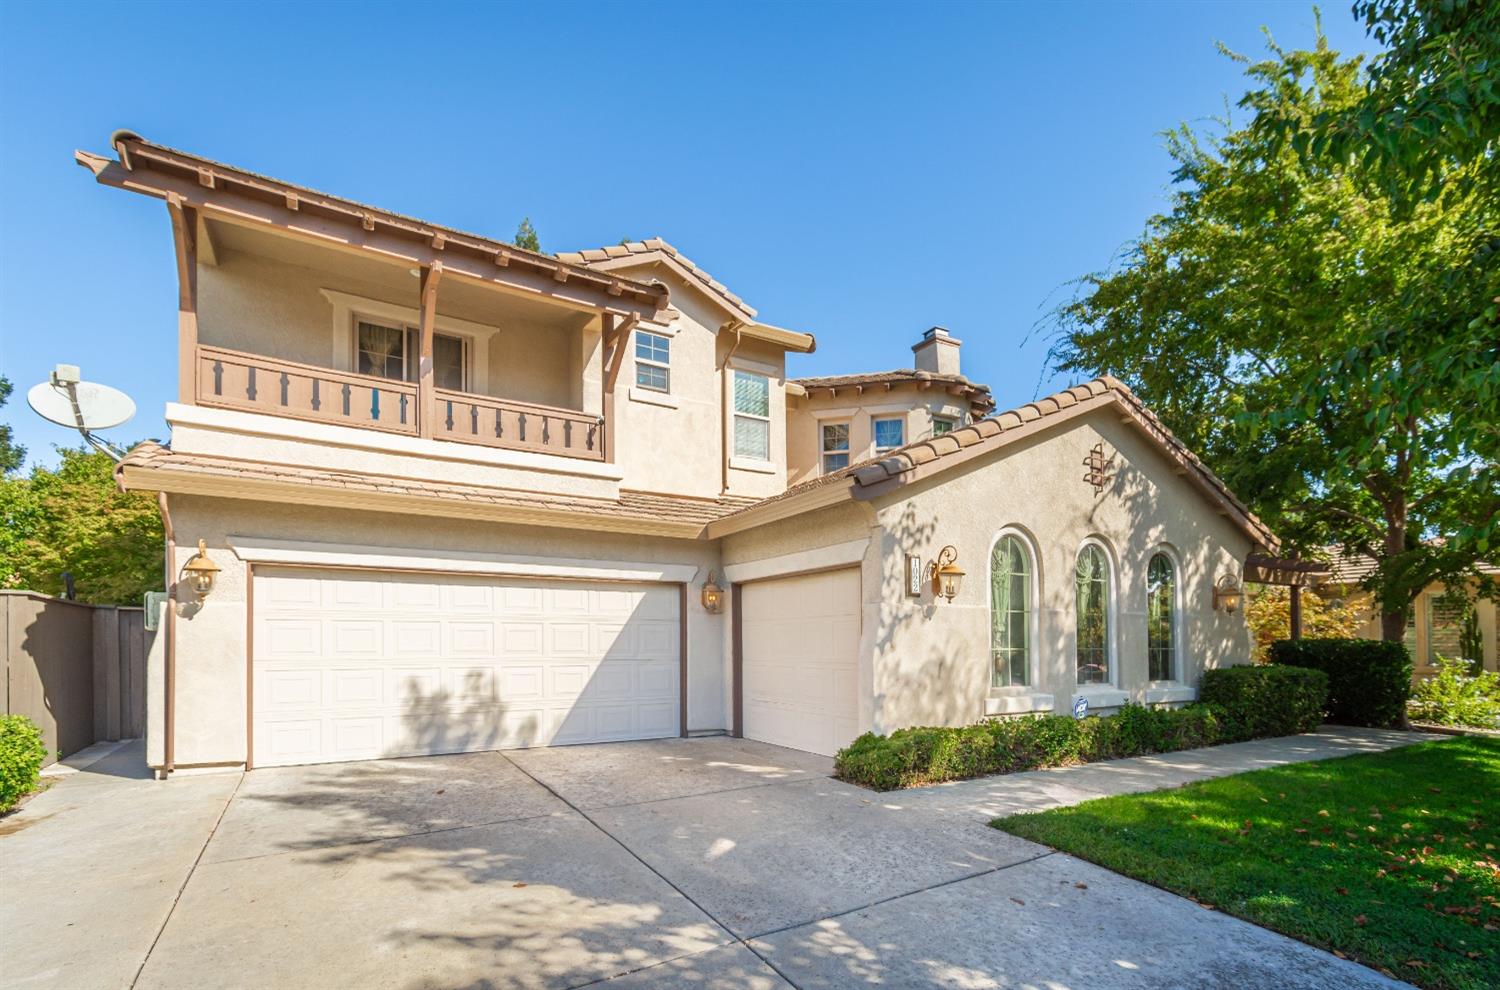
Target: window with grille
752, 415
1010, 613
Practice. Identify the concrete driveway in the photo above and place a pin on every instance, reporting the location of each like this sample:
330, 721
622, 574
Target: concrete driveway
713, 862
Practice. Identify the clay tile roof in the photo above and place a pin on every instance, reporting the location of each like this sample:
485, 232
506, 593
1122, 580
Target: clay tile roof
149, 458
977, 394
656, 244
997, 431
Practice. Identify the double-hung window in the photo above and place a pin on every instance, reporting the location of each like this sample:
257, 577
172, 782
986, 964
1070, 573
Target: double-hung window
394, 351
889, 434
752, 415
653, 361
835, 446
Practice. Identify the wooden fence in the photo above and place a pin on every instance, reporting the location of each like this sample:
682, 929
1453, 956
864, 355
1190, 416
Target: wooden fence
78, 671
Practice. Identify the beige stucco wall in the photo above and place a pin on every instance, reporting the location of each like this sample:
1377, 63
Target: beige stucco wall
1422, 649
250, 302
932, 659
806, 414
211, 669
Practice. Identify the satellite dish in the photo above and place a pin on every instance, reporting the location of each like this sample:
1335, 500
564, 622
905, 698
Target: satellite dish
66, 400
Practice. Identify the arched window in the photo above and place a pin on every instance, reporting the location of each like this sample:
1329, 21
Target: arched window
1010, 613
1161, 617
1092, 593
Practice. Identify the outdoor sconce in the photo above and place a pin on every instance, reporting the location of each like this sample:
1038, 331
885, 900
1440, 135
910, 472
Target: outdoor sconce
946, 575
201, 571
713, 595
1227, 594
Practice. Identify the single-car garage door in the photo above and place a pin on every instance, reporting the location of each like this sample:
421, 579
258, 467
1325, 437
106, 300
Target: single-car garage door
356, 665
800, 657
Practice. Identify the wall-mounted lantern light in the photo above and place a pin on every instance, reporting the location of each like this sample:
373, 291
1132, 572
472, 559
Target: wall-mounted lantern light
201, 571
947, 576
1227, 594
713, 595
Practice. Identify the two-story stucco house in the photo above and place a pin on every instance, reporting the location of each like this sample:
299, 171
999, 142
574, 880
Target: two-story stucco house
464, 496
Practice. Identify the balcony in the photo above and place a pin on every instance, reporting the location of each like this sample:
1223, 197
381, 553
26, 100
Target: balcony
228, 379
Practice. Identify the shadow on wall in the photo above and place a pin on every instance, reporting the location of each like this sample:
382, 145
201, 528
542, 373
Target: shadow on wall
944, 679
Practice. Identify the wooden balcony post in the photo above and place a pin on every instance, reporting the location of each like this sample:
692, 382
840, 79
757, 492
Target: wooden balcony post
426, 394
185, 243
617, 333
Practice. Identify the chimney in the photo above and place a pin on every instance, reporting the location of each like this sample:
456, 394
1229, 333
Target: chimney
937, 352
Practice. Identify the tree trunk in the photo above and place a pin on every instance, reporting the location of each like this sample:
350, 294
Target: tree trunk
1393, 622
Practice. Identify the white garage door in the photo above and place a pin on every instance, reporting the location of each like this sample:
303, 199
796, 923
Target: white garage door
800, 656
356, 665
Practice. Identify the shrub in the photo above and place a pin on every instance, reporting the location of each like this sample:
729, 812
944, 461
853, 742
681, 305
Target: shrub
1369, 680
1265, 700
1456, 695
1238, 703
21, 756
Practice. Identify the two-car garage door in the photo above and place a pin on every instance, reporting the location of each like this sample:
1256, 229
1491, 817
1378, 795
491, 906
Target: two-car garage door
353, 665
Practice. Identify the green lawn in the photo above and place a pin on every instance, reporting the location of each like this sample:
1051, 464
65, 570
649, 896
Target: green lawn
1392, 859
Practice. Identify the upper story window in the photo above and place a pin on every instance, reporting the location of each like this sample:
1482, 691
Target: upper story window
1091, 593
889, 434
941, 426
1010, 613
752, 415
393, 352
835, 446
1161, 618
653, 361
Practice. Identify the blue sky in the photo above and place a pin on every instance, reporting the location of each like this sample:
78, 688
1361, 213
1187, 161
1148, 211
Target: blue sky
861, 171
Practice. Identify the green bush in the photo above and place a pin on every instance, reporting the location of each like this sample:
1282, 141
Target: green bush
1456, 695
1369, 680
1238, 703
21, 756
1266, 700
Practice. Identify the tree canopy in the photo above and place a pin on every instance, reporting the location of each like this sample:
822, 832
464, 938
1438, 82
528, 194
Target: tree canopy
74, 518
526, 237
1330, 347
12, 455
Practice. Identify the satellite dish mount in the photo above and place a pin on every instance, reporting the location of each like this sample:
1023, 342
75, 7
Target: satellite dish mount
65, 399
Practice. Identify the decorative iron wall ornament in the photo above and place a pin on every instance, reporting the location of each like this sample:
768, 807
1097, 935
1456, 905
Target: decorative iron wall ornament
1098, 474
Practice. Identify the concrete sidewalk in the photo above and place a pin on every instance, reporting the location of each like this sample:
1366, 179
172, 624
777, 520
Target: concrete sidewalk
718, 863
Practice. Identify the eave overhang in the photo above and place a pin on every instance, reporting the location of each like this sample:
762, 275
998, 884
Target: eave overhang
231, 195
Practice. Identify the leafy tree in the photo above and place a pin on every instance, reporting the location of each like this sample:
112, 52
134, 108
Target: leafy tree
1431, 102
1268, 611
526, 237
12, 455
76, 519
1331, 351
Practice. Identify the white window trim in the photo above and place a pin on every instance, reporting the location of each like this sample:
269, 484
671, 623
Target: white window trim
1170, 552
823, 451
1111, 687
653, 397
1034, 631
466, 344
737, 460
905, 433
349, 308
638, 362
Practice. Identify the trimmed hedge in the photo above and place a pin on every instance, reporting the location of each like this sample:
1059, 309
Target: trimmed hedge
21, 756
1263, 701
1369, 680
1268, 700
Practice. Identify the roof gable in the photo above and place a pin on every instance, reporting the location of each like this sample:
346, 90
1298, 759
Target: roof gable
935, 455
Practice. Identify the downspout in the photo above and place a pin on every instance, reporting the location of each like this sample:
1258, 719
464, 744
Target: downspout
169, 671
724, 400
